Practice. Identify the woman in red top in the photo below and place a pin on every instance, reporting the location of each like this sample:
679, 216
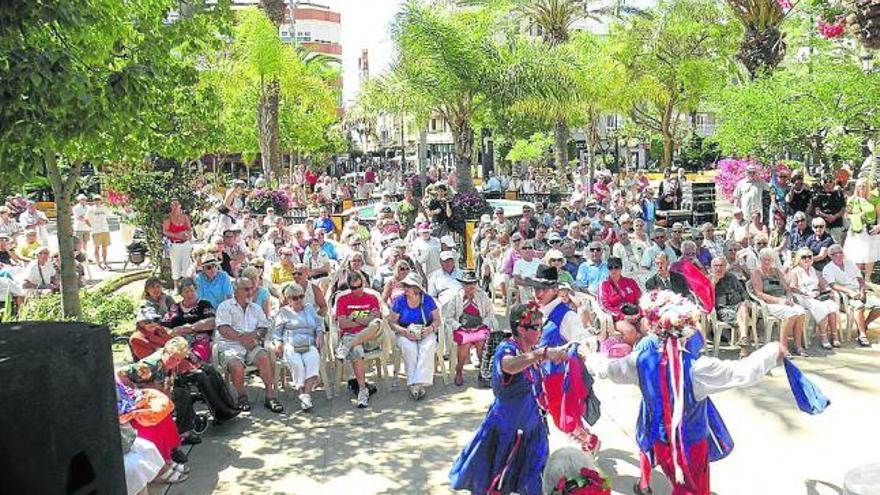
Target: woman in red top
619, 296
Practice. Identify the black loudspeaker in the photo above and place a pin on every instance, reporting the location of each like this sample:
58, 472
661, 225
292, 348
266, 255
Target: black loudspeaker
59, 430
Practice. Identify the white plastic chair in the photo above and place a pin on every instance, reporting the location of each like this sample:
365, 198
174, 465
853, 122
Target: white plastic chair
380, 356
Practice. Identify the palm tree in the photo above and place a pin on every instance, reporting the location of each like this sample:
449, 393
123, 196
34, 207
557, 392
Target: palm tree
763, 45
267, 111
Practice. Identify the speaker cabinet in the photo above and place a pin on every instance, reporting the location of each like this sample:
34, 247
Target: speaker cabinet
59, 430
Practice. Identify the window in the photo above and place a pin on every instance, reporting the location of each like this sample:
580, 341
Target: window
433, 125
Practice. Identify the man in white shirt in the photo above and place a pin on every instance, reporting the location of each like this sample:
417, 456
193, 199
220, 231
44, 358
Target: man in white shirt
748, 192
425, 250
525, 268
443, 284
36, 219
845, 277
241, 326
40, 273
97, 217
738, 228
81, 227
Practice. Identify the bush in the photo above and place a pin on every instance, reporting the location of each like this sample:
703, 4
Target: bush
117, 311
261, 199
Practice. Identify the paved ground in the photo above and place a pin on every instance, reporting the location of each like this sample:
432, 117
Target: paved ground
398, 446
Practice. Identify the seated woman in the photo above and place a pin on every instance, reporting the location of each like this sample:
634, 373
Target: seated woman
155, 301
471, 318
394, 287
314, 294
619, 296
157, 371
554, 257
811, 292
153, 455
298, 339
769, 286
415, 319
191, 318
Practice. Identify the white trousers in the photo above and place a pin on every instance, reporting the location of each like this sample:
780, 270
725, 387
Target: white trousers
302, 366
418, 359
181, 258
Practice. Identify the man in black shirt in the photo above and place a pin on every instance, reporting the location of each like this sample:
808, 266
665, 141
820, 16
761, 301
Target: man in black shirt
799, 196
830, 205
440, 210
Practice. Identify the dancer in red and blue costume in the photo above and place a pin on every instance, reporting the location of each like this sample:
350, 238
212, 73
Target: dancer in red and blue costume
566, 382
679, 427
510, 449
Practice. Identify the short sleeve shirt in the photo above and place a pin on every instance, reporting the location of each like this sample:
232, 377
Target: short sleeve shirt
420, 315
241, 320
356, 306
848, 276
830, 203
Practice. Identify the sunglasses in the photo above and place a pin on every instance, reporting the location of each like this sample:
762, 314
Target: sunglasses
403, 269
531, 328
799, 221
297, 298
700, 238
355, 287
210, 267
258, 266
614, 267
595, 249
818, 226
297, 274
557, 260
807, 257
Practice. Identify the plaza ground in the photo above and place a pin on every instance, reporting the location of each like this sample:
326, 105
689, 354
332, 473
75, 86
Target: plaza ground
398, 446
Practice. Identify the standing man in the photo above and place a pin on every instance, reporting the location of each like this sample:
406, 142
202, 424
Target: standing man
749, 190
241, 328
32, 218
97, 217
799, 196
830, 205
81, 227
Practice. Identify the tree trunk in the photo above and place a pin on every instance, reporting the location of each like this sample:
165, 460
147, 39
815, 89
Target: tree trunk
423, 153
63, 188
560, 146
463, 143
267, 124
668, 142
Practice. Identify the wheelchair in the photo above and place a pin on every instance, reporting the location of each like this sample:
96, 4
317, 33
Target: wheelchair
203, 414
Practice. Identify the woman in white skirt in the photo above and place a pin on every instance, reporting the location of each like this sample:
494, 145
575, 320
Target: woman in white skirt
862, 245
814, 295
299, 337
769, 285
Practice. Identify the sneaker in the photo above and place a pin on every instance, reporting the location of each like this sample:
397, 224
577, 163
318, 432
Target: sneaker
341, 352
305, 402
363, 398
420, 392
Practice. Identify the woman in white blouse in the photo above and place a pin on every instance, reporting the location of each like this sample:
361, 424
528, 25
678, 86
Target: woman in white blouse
471, 318
811, 292
298, 338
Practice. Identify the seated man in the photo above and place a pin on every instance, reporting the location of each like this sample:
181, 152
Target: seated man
212, 284
845, 277
359, 316
666, 280
732, 304
241, 326
443, 284
40, 273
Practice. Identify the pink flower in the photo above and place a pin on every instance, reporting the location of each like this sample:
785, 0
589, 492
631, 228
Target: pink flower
560, 485
784, 4
832, 30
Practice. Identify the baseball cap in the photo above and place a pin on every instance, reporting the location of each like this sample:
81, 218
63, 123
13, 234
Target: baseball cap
447, 240
447, 255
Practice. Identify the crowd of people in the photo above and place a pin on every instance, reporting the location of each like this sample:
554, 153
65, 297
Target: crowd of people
256, 293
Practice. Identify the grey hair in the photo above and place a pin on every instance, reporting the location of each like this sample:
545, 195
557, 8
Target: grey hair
661, 255
766, 253
292, 289
250, 272
240, 281
565, 462
689, 244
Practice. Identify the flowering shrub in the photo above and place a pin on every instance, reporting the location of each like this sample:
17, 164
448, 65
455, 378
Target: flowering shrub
832, 17
261, 199
467, 206
732, 170
114, 198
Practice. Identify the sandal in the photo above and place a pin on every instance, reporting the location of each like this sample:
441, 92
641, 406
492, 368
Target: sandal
181, 468
826, 346
171, 476
273, 405
243, 404
863, 341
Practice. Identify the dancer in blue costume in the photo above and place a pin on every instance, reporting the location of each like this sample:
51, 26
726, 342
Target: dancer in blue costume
510, 449
678, 426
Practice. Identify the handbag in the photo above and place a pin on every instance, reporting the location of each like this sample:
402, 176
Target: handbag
468, 320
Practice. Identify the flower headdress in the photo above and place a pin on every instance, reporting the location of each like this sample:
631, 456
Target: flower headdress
670, 314
586, 482
526, 315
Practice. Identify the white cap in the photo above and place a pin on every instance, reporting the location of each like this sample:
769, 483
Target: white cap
447, 240
447, 255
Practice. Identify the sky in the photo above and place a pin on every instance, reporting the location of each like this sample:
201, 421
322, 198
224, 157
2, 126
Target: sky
364, 25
